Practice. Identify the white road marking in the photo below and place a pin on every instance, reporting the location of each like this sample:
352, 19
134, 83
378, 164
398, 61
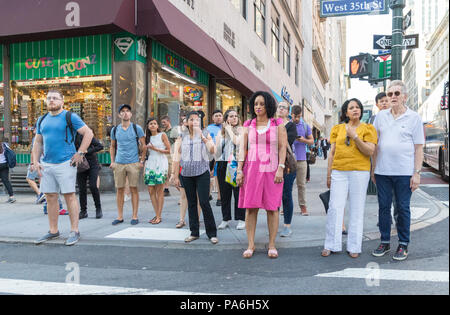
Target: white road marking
417, 213
157, 234
27, 287
389, 274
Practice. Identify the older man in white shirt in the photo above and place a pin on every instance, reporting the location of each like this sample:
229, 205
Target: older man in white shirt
397, 164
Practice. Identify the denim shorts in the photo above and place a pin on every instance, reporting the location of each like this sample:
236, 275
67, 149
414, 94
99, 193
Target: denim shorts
58, 178
32, 174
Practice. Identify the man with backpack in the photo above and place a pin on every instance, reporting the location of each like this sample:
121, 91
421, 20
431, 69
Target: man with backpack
126, 141
55, 137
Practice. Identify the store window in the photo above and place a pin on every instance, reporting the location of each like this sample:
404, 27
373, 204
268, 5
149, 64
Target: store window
2, 113
228, 98
89, 97
175, 94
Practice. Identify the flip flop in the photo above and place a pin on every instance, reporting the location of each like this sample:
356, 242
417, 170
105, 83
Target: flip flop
248, 253
156, 221
272, 253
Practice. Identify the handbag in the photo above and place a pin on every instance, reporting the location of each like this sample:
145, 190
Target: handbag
231, 172
312, 157
325, 197
291, 161
83, 166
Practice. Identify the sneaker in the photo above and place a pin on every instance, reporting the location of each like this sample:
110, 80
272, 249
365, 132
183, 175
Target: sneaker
214, 240
241, 225
40, 198
98, 214
219, 203
11, 200
401, 253
127, 198
63, 212
47, 237
74, 237
166, 192
223, 225
382, 250
286, 232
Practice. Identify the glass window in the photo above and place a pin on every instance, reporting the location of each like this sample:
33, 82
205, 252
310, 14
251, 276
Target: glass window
228, 98
174, 96
275, 35
260, 18
297, 59
286, 52
241, 5
88, 97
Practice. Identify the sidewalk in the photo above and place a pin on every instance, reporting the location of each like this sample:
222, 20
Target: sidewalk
24, 221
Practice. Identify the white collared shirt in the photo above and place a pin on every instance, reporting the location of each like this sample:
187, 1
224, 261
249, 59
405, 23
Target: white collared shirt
396, 140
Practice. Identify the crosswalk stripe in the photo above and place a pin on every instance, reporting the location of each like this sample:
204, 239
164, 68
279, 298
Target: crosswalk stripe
389, 274
29, 287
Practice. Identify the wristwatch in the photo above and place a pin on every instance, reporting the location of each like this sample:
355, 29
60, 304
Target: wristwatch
282, 166
417, 171
81, 153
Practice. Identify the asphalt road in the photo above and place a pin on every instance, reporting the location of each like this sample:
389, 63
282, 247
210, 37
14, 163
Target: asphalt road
215, 271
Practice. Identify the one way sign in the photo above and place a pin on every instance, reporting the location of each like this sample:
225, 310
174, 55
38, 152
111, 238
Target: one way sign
385, 41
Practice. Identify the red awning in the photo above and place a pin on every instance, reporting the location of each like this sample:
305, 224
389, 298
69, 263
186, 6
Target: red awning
162, 21
31, 20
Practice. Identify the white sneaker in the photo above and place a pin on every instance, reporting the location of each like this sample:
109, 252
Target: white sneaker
127, 198
241, 225
223, 225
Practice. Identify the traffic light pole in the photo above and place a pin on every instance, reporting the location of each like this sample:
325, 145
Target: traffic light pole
397, 7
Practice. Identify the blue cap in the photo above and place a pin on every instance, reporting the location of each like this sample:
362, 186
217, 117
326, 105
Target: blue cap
124, 105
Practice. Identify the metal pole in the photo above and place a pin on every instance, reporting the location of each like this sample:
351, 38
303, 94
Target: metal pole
397, 7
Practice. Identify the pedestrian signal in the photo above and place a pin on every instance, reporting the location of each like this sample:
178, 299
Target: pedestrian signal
360, 65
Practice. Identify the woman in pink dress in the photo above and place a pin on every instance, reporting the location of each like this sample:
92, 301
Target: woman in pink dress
260, 171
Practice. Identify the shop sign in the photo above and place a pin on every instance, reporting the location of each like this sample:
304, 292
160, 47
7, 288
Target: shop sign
286, 96
176, 64
128, 47
179, 64
69, 57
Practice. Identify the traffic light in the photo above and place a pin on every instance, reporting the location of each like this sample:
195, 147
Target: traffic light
361, 65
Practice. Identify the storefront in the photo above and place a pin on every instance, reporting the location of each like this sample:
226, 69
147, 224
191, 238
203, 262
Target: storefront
80, 67
2, 100
177, 86
228, 98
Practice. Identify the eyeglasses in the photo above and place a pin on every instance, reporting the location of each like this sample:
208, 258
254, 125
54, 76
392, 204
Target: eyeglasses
53, 98
282, 107
396, 93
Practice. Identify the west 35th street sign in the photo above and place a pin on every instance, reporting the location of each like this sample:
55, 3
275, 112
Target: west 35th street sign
330, 8
385, 41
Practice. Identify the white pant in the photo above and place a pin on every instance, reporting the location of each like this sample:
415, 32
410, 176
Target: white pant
351, 184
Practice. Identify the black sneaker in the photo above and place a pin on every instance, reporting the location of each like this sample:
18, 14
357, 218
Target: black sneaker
166, 192
382, 250
219, 203
402, 253
83, 215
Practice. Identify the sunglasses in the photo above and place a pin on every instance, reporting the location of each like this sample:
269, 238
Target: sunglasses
396, 93
347, 141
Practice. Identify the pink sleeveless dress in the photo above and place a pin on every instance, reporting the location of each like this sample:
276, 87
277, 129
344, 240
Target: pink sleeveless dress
260, 167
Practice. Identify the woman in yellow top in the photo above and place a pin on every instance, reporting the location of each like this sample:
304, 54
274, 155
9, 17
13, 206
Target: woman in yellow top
352, 145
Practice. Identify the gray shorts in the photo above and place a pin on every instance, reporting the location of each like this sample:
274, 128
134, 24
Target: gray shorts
58, 178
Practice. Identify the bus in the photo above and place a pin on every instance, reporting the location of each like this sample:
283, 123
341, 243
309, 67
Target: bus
436, 146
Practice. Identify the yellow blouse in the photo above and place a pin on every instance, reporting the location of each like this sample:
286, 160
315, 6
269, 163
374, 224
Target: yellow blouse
349, 158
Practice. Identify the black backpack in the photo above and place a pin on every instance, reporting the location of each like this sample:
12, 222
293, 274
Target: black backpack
68, 126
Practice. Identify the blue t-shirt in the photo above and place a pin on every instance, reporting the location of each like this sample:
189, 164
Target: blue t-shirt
53, 131
214, 130
127, 149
